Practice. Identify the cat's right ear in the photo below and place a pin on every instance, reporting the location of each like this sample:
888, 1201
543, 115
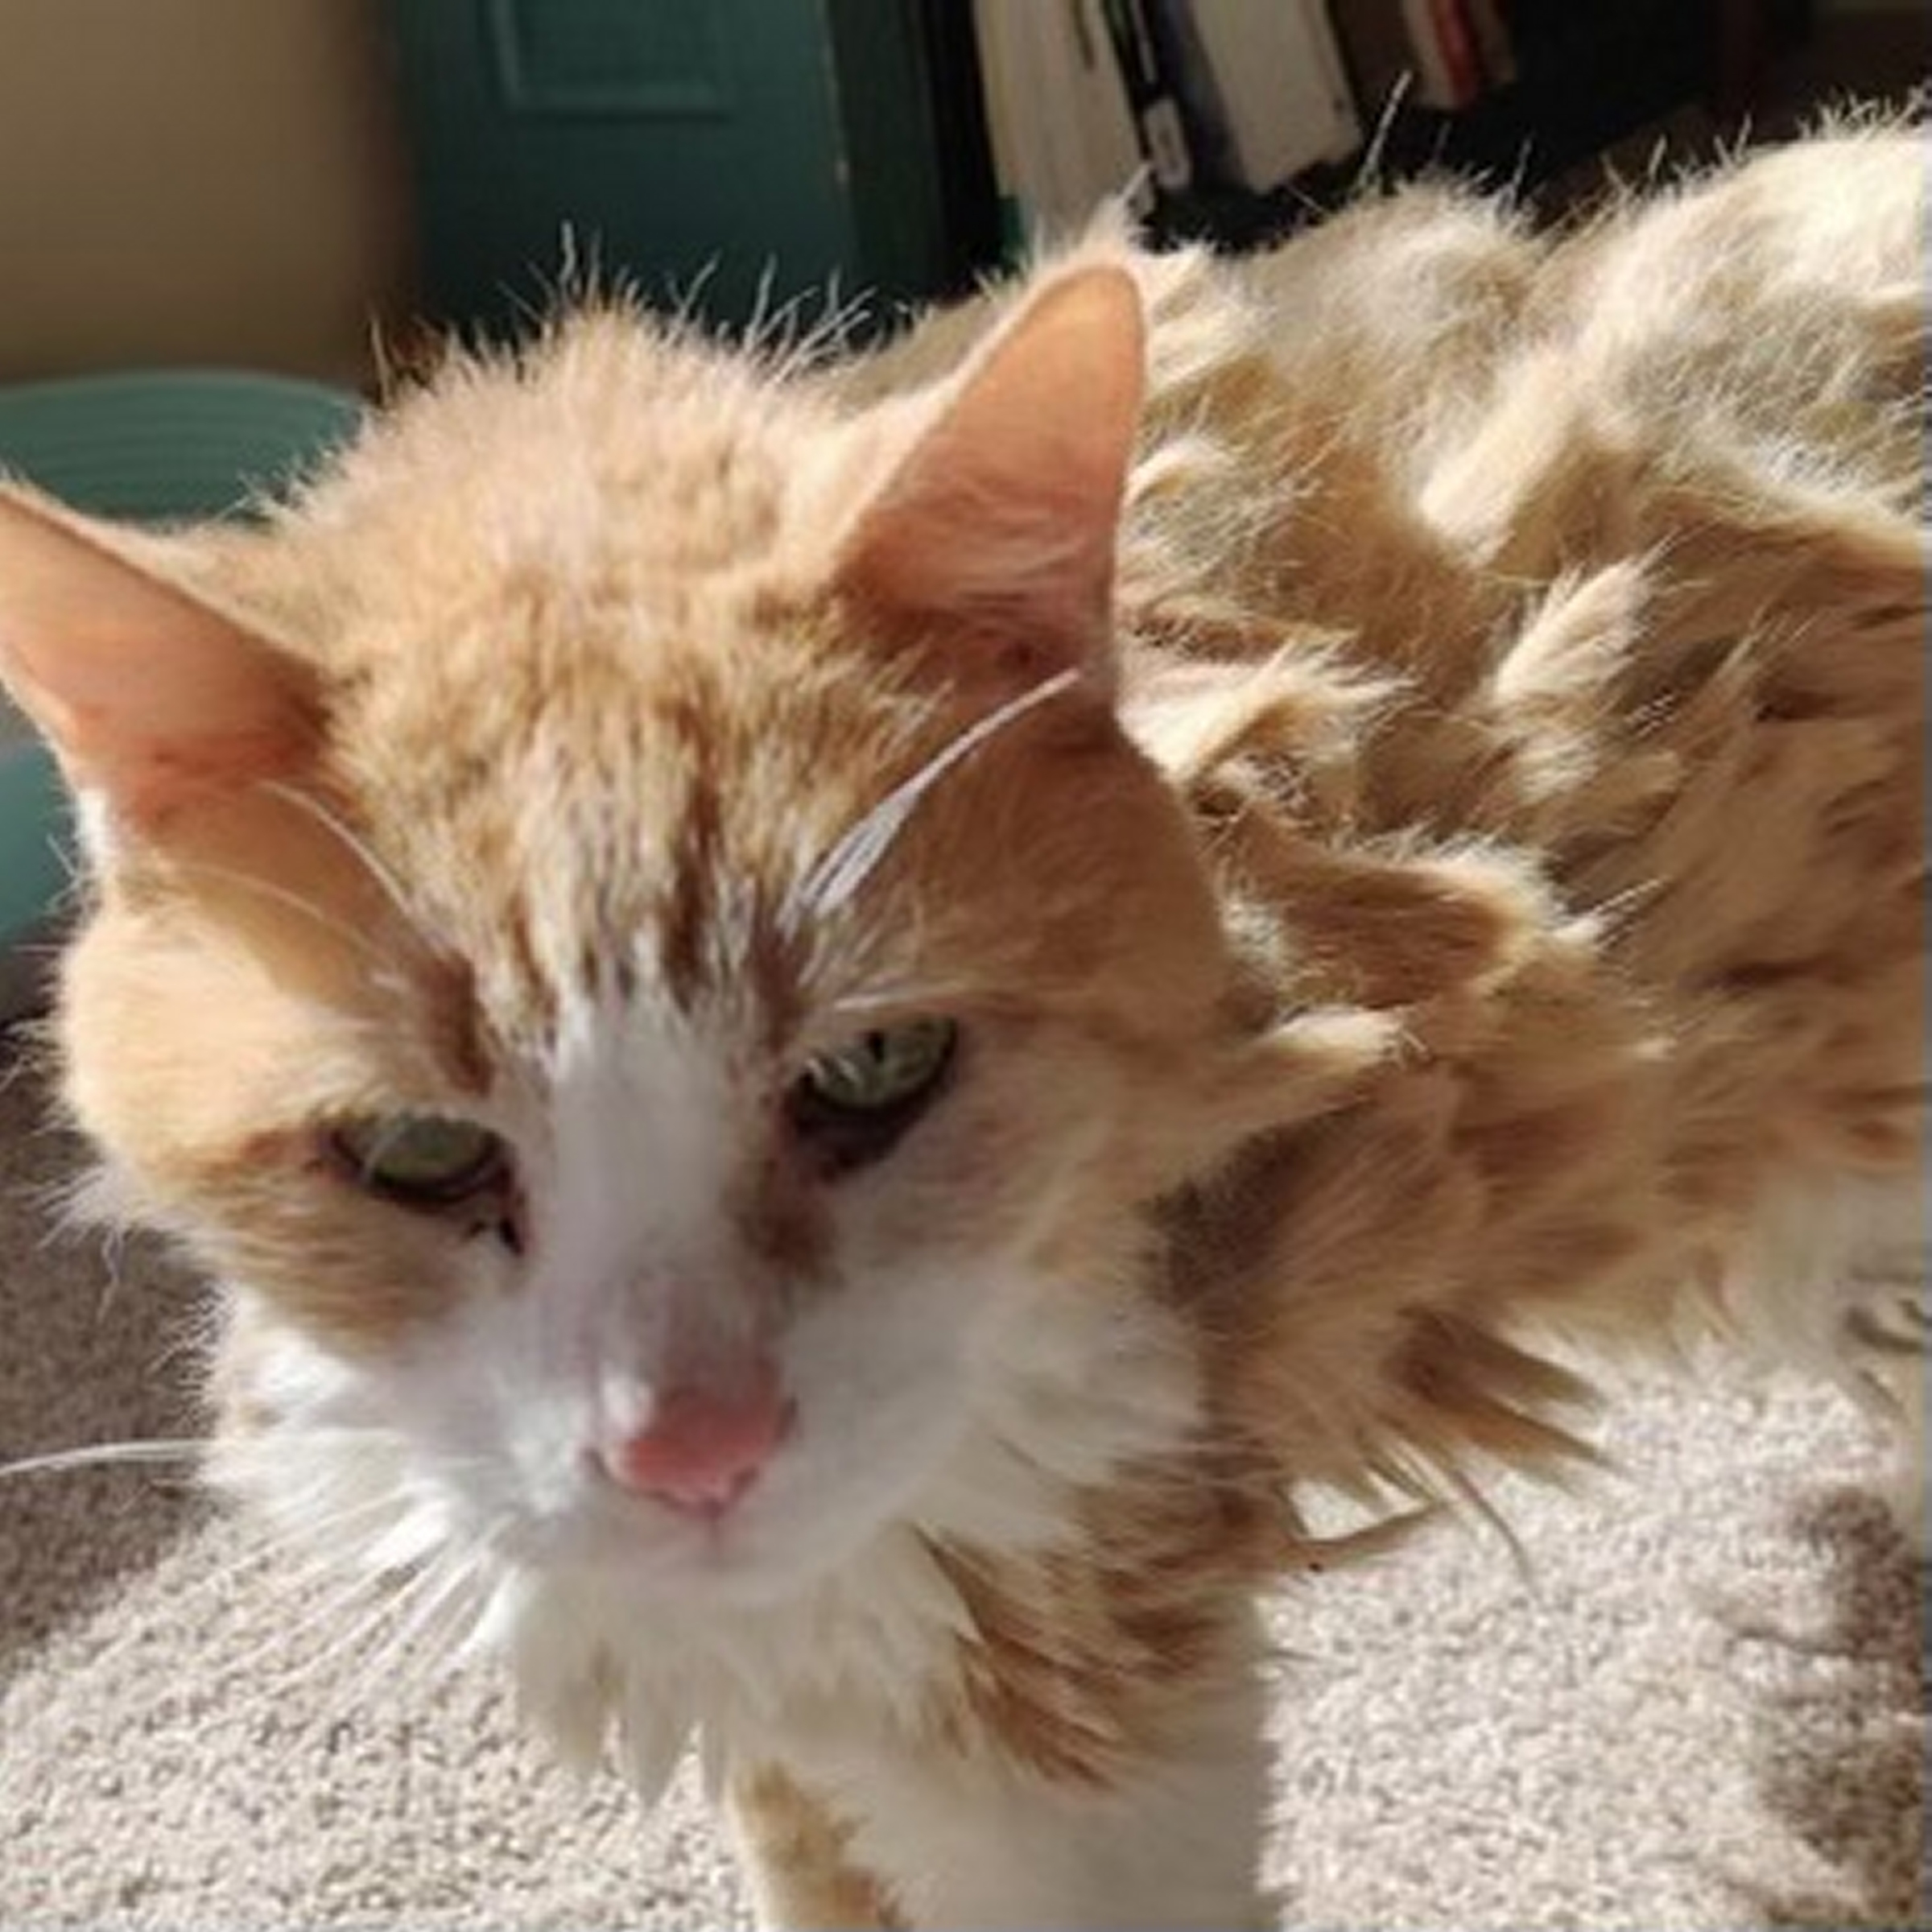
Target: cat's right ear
153, 701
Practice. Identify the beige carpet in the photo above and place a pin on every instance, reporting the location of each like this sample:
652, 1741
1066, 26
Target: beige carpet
1704, 1708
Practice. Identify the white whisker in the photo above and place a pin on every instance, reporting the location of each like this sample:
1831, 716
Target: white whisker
424, 1633
856, 855
106, 1455
321, 1594
374, 1648
359, 849
388, 1595
189, 1448
187, 1610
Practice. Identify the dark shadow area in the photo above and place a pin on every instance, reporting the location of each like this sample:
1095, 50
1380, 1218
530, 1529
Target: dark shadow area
1875, 60
1841, 1764
95, 1344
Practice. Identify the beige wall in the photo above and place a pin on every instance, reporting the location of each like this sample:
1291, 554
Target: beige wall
197, 180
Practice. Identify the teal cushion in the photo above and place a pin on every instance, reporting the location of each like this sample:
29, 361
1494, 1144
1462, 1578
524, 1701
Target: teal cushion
165, 445
33, 822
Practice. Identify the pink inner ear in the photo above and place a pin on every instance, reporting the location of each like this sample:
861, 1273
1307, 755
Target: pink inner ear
147, 694
1003, 515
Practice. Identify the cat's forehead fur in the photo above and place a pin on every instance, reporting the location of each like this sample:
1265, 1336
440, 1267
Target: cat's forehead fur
553, 707
662, 464
592, 696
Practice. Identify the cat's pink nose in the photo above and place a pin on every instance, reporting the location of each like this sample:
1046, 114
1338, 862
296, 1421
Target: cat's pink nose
704, 1448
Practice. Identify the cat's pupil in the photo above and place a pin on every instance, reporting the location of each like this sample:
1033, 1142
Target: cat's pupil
878, 1052
883, 1068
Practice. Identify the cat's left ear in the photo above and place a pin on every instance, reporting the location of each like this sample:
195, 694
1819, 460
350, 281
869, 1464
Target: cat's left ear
995, 527
152, 699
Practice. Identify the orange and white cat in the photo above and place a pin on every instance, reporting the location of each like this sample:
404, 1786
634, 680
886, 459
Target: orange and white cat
837, 1028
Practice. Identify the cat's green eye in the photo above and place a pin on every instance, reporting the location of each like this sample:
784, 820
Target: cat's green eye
852, 1104
882, 1069
422, 1160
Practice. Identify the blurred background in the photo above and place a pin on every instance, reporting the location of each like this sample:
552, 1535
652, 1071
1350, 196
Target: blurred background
265, 182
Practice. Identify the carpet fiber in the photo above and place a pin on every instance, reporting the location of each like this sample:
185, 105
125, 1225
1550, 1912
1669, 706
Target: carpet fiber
1700, 1705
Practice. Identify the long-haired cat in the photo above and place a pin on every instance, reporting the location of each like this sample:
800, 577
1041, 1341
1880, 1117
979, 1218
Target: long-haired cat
838, 1028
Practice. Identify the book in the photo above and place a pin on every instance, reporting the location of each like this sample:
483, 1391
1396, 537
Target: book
1064, 133
1494, 47
1261, 85
1163, 129
1447, 73
1379, 54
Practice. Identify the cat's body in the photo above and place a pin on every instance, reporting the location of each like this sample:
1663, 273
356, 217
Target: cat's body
1496, 912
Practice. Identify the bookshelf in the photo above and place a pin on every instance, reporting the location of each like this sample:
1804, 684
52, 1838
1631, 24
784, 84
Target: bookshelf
1568, 82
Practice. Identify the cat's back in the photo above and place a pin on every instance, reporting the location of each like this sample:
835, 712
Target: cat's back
1406, 435
1601, 554
1431, 357
1759, 333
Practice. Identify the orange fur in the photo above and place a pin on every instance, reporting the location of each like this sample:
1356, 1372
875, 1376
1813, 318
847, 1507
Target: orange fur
1501, 878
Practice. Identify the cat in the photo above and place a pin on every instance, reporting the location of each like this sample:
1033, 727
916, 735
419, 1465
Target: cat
840, 1026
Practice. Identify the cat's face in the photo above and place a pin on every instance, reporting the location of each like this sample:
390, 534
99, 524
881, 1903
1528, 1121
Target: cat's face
665, 976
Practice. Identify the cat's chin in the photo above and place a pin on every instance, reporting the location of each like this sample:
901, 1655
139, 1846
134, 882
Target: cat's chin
727, 1570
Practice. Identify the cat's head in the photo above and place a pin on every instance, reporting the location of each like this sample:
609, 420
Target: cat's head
627, 927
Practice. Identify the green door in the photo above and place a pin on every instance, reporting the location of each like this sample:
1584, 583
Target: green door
740, 154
